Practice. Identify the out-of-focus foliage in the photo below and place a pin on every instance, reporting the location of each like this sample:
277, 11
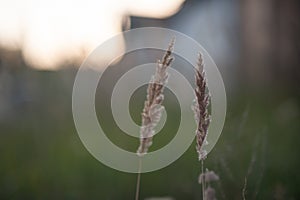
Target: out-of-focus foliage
42, 157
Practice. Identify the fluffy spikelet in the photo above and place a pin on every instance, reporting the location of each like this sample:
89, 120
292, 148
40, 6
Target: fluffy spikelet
153, 105
208, 176
210, 193
200, 108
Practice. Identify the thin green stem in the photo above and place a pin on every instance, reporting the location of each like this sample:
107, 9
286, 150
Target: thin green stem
138, 181
203, 179
244, 189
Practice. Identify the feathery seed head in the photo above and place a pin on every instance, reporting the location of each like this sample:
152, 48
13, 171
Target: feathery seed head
200, 108
153, 105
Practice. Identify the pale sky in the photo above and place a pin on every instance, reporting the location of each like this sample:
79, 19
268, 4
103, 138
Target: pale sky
51, 32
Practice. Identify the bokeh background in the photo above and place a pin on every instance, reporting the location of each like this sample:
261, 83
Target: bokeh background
255, 44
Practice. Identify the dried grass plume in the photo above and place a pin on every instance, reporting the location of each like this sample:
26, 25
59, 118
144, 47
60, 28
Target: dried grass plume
153, 105
200, 108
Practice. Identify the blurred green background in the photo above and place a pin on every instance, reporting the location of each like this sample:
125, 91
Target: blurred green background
256, 47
